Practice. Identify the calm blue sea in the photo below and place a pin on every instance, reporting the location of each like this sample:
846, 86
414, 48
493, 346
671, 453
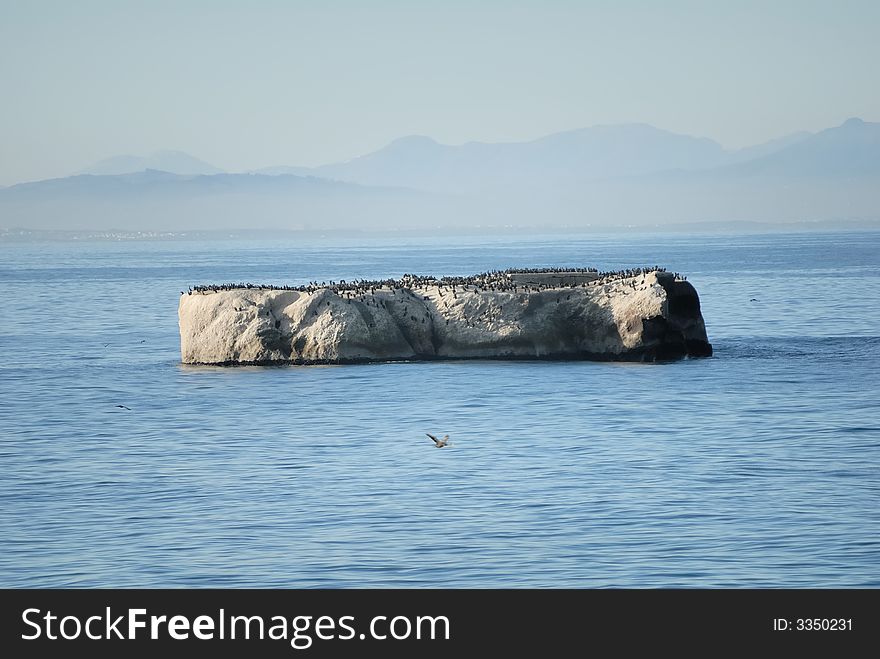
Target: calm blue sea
757, 467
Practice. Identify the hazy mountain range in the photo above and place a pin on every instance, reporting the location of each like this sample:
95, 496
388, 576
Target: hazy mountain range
598, 153
599, 176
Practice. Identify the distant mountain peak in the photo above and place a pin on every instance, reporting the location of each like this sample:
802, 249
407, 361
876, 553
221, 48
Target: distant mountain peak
415, 139
175, 162
853, 122
171, 152
412, 143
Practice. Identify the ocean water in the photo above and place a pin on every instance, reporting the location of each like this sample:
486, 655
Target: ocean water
757, 467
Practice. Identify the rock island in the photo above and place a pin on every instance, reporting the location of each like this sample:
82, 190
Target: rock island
641, 314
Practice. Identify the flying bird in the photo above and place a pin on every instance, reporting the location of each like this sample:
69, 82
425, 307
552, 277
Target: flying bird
439, 443
124, 407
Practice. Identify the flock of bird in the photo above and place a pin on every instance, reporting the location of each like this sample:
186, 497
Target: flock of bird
493, 280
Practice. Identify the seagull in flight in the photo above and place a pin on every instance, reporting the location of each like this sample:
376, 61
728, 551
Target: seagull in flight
439, 443
124, 407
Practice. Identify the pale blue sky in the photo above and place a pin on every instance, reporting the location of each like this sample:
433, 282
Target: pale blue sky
251, 84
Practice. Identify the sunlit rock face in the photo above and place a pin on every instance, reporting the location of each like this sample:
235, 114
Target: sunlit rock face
644, 317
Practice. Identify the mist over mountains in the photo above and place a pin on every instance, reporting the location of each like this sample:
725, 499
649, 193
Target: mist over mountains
604, 176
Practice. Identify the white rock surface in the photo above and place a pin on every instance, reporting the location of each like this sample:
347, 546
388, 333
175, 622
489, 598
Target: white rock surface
645, 317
